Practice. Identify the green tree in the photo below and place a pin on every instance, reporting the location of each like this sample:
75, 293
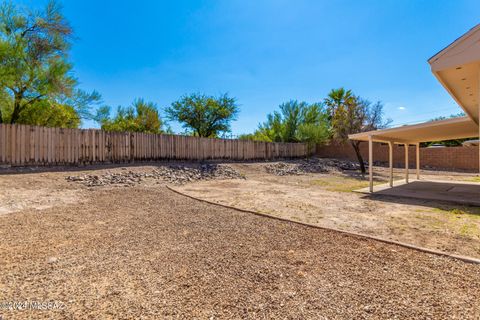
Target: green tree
206, 116
48, 114
34, 47
351, 114
294, 122
141, 116
456, 115
247, 136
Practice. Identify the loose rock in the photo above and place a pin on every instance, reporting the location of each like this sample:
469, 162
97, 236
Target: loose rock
311, 165
176, 174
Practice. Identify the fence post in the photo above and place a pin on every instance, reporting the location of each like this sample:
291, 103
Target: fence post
132, 147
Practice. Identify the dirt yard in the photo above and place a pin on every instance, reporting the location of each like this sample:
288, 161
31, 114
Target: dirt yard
142, 251
326, 199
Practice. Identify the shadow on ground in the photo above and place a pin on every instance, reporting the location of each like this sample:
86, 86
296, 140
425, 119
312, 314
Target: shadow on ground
441, 205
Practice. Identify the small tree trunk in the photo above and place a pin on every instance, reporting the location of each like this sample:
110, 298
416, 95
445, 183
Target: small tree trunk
16, 109
356, 147
1, 117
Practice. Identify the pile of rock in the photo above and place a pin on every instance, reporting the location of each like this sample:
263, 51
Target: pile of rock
172, 174
311, 165
284, 169
127, 178
183, 174
337, 164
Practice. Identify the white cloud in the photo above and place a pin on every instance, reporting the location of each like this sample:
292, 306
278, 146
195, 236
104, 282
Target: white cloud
402, 108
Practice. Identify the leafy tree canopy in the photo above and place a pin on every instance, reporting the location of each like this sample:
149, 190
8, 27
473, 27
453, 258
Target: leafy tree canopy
294, 122
141, 116
205, 116
34, 67
48, 114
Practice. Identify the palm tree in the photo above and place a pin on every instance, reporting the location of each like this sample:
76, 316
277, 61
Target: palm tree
351, 114
338, 99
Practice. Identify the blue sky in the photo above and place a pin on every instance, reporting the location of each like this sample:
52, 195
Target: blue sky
267, 52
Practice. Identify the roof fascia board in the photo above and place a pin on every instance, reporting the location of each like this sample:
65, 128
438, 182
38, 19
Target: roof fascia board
380, 138
382, 134
416, 126
454, 44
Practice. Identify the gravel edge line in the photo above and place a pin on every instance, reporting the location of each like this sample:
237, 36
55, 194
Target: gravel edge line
354, 234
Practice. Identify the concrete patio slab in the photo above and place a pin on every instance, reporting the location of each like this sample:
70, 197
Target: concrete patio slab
466, 193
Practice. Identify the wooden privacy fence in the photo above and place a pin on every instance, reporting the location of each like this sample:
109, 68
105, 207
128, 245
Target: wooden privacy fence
32, 145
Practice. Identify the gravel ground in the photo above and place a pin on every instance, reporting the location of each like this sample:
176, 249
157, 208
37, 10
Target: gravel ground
148, 253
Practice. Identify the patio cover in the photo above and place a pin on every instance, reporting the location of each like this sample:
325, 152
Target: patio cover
455, 128
457, 68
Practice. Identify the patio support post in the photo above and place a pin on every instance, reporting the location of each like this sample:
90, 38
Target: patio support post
390, 161
406, 162
370, 163
417, 154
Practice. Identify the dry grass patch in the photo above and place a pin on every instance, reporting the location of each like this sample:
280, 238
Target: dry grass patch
339, 183
463, 222
473, 179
